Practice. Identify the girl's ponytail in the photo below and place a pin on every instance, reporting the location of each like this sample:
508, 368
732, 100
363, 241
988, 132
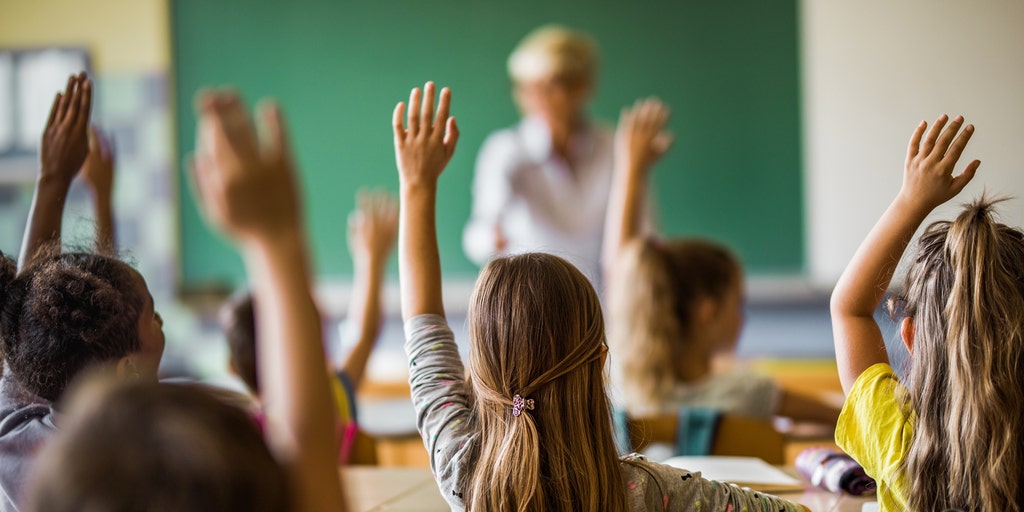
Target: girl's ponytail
967, 372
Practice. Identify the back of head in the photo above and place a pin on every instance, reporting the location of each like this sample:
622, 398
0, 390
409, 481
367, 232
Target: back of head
554, 51
965, 294
127, 446
238, 321
652, 297
65, 313
536, 330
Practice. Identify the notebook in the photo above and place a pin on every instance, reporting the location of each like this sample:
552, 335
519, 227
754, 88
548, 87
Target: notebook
743, 471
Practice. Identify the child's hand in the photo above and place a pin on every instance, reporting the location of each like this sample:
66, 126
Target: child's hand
928, 179
424, 149
245, 185
372, 228
641, 139
98, 170
65, 141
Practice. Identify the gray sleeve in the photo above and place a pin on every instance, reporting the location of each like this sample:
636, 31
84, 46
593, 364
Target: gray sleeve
443, 404
680, 490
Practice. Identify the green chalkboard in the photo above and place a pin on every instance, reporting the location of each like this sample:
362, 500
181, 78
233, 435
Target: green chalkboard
729, 69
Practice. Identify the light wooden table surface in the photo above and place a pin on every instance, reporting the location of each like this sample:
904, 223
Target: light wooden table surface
375, 489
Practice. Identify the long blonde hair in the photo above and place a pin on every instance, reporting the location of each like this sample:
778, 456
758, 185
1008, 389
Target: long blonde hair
965, 295
536, 330
651, 304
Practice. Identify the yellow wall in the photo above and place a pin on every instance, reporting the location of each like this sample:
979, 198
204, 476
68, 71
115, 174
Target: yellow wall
123, 35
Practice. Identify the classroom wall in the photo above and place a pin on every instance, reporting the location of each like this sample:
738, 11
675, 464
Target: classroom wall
125, 36
872, 70
129, 44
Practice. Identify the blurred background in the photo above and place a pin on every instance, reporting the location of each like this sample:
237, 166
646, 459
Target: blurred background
791, 120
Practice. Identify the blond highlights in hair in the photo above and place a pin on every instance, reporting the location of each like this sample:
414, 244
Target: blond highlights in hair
554, 50
965, 295
536, 330
652, 298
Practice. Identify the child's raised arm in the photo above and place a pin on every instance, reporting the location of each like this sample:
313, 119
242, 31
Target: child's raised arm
98, 173
928, 181
61, 154
422, 150
640, 141
371, 236
247, 189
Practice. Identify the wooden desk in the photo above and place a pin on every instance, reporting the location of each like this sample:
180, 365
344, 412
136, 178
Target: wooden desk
374, 489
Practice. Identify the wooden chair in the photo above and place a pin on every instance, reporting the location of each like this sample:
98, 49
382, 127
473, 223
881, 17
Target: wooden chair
734, 435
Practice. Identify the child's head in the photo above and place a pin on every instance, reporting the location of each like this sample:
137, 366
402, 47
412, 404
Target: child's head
132, 445
536, 331
671, 300
553, 70
964, 306
70, 311
239, 324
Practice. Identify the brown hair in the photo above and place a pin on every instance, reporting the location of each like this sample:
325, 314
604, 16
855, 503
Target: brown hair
965, 295
536, 330
238, 321
652, 296
132, 445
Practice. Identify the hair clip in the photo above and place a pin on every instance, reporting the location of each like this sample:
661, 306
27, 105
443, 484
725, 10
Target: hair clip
519, 403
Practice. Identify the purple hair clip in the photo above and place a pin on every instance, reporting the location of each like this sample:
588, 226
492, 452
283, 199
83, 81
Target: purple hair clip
519, 404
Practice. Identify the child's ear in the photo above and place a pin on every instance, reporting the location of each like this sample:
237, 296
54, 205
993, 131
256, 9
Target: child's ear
907, 333
707, 309
126, 368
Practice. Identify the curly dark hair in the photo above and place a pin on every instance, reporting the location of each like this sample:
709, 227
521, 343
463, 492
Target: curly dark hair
65, 313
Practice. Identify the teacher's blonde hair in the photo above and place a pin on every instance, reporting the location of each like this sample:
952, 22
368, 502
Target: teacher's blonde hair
554, 50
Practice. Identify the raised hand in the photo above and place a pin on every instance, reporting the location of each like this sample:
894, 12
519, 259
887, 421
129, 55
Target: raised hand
245, 184
372, 228
65, 139
98, 169
424, 148
641, 139
928, 179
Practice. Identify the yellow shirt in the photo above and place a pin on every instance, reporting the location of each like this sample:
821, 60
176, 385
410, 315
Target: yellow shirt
876, 430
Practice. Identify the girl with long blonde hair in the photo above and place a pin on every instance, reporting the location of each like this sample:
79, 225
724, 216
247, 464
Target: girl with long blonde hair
530, 429
677, 304
949, 435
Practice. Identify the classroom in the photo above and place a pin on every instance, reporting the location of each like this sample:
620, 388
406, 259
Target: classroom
743, 166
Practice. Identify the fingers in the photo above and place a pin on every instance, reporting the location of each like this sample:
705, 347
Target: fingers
427, 114
957, 148
396, 121
965, 177
933, 133
915, 140
414, 111
275, 134
65, 99
52, 118
942, 144
443, 108
84, 103
451, 137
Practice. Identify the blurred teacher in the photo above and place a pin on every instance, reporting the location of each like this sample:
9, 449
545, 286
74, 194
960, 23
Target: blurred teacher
543, 184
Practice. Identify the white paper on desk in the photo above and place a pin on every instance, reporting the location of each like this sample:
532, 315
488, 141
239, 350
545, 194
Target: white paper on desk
743, 471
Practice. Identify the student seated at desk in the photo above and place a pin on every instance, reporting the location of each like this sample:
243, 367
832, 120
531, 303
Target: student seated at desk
675, 304
371, 237
951, 433
138, 445
530, 429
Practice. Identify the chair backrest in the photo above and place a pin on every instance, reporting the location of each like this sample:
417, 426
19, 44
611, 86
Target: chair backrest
734, 435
